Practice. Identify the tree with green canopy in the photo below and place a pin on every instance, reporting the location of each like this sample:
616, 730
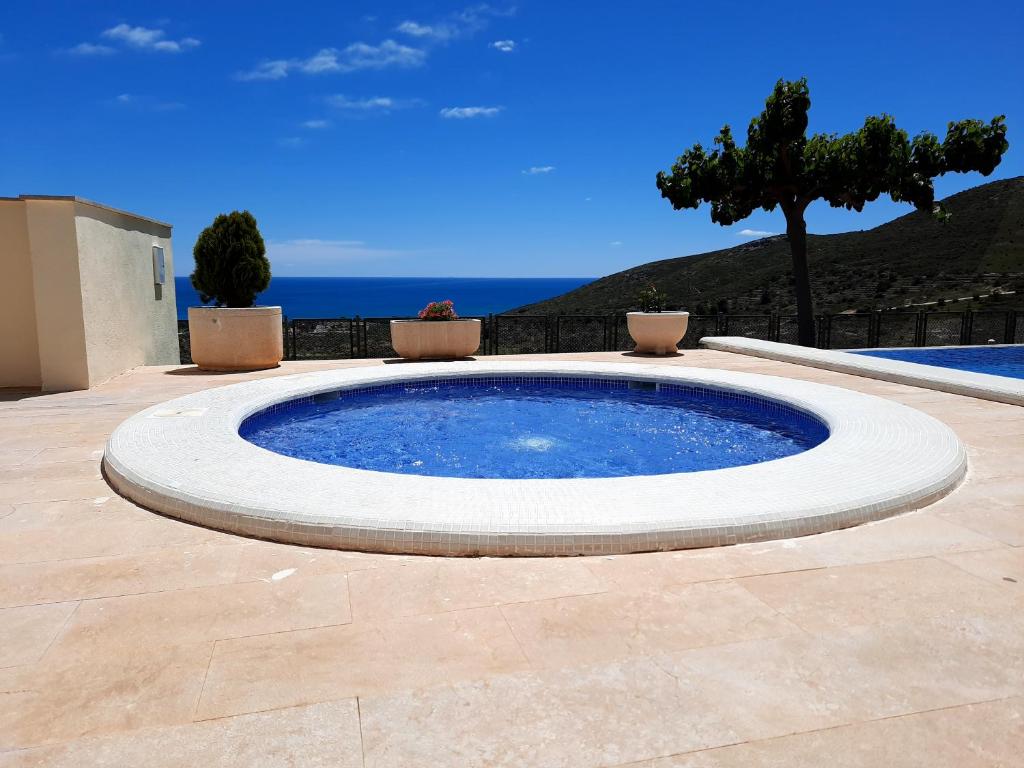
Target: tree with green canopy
782, 167
231, 261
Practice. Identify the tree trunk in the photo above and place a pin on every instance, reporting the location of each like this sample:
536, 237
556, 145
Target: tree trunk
796, 230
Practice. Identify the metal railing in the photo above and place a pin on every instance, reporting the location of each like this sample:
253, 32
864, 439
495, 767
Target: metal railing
367, 337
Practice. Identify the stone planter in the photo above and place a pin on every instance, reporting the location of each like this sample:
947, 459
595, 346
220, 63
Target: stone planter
235, 339
657, 333
435, 339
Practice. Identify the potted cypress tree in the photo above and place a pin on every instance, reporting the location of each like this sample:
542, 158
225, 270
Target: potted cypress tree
655, 331
231, 269
438, 334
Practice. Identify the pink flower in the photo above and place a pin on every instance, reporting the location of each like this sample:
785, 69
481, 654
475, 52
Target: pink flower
439, 310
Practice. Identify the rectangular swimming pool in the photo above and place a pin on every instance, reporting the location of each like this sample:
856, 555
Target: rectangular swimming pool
996, 360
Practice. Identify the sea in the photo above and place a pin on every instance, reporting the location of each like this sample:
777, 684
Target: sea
395, 296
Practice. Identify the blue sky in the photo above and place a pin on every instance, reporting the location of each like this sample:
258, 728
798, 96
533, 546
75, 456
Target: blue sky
521, 139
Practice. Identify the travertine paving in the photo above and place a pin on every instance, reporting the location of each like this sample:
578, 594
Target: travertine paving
127, 638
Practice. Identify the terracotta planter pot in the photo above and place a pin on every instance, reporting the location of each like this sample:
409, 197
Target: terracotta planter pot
434, 339
657, 333
235, 339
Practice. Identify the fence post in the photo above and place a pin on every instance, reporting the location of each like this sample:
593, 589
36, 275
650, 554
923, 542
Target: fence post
921, 329
1011, 326
966, 326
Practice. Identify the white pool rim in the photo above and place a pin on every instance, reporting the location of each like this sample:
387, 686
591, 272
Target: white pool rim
185, 458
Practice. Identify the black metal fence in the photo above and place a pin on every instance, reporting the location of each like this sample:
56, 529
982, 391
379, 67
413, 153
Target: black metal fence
362, 337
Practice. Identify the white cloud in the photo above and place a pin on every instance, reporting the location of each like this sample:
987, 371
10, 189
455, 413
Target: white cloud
291, 142
316, 124
615, 243
352, 58
505, 46
462, 23
370, 104
148, 39
124, 98
322, 257
415, 29
176, 46
91, 49
140, 37
464, 113
324, 60
384, 56
267, 70
537, 170
755, 233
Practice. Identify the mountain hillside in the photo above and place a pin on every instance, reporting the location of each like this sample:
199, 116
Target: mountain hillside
909, 261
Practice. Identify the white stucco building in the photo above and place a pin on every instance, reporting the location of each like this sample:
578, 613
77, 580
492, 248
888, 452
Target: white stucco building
80, 297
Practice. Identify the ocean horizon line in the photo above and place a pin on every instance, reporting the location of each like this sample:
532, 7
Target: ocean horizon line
423, 277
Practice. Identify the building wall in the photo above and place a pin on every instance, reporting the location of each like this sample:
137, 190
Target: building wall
60, 328
19, 351
129, 320
78, 302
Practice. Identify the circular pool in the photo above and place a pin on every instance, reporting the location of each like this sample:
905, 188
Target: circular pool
531, 458
533, 428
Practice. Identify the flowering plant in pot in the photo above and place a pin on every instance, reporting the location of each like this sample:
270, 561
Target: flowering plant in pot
439, 310
654, 330
231, 269
438, 333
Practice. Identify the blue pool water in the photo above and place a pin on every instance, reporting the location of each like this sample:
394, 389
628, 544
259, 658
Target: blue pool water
534, 428
998, 361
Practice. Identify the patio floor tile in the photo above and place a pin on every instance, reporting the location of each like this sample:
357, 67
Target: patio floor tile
53, 702
318, 736
984, 735
152, 571
1004, 567
855, 595
575, 630
27, 631
458, 583
186, 616
289, 668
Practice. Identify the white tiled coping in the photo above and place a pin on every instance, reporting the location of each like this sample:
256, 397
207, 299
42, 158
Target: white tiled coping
985, 386
185, 458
